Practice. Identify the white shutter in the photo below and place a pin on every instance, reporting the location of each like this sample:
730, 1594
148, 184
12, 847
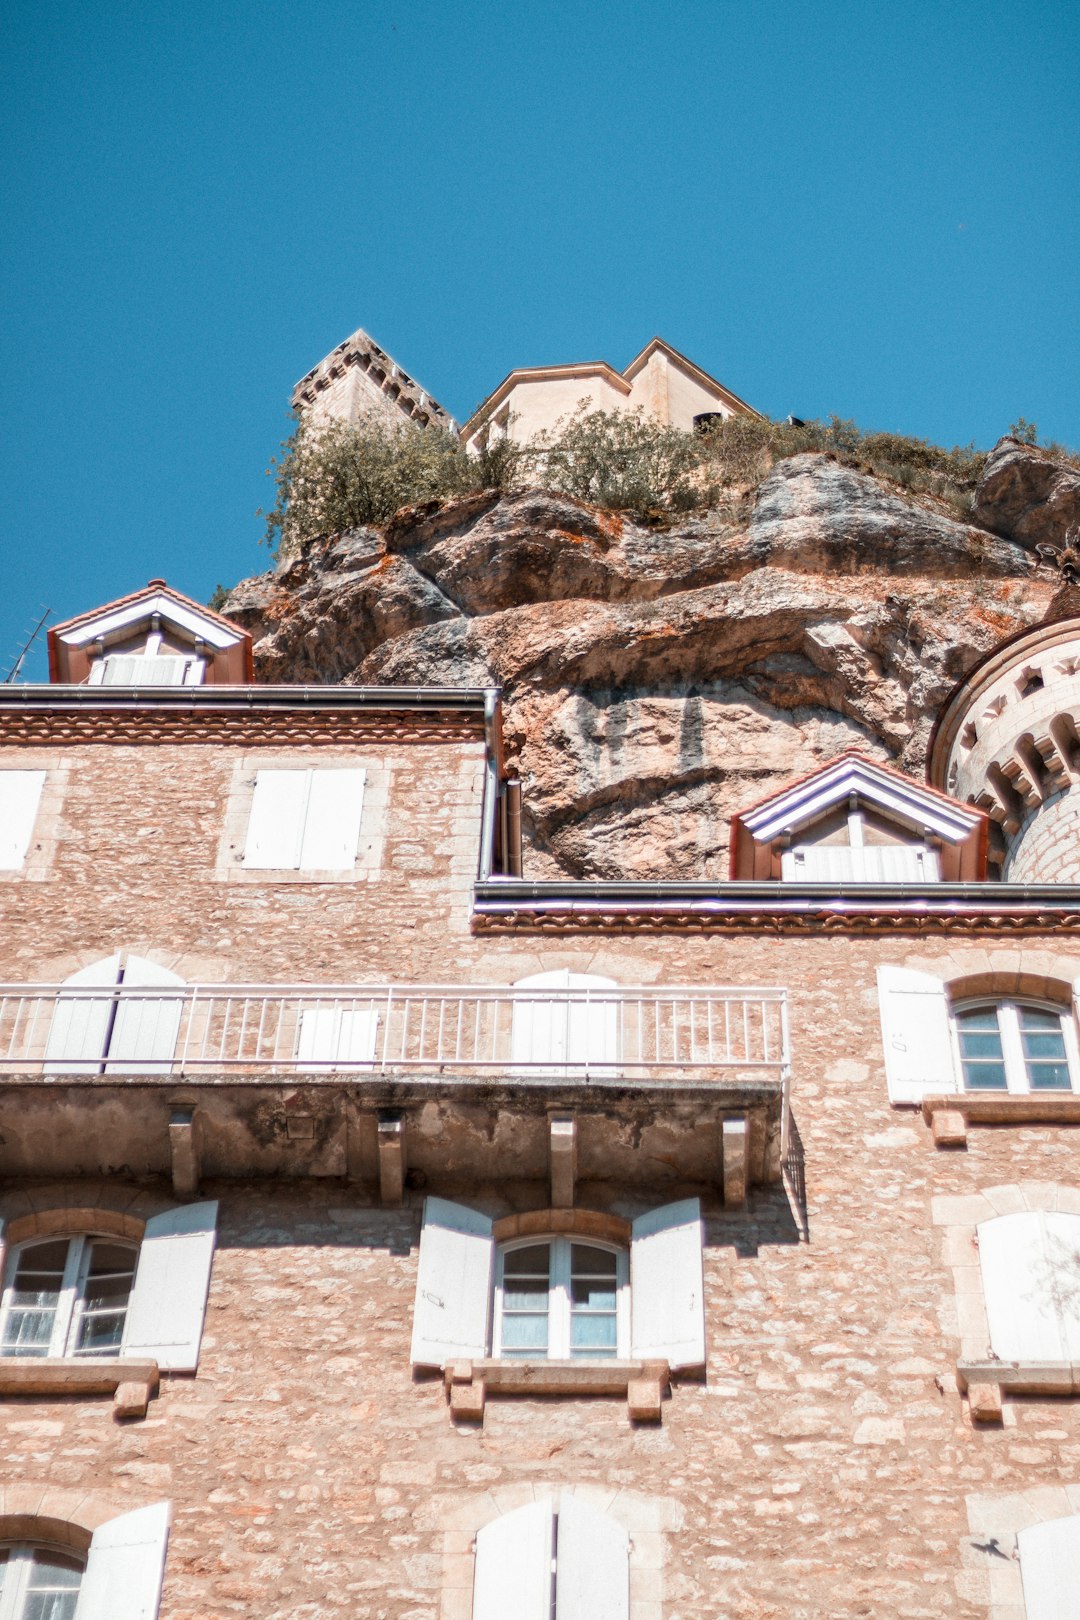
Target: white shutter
331, 1036
592, 1564
172, 1280
548, 1029
667, 1285
1050, 1569
1018, 1288
917, 1034
80, 1027
1062, 1236
453, 1285
873, 863
332, 828
20, 795
513, 1566
139, 669
276, 827
145, 1029
125, 1566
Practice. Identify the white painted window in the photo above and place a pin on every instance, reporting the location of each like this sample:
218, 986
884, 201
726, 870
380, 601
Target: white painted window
20, 796
549, 1561
87, 1294
126, 1029
146, 669
562, 1298
1050, 1568
67, 1296
1015, 1046
38, 1583
559, 1297
868, 863
1030, 1265
564, 1021
305, 820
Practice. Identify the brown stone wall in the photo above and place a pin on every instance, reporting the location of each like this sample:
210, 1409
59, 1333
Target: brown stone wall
824, 1467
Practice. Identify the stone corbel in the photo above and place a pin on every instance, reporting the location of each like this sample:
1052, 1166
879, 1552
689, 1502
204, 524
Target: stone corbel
735, 1160
644, 1383
563, 1146
131, 1383
185, 1148
391, 1148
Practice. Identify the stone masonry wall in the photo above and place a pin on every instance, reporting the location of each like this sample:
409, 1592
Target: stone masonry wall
824, 1467
1047, 847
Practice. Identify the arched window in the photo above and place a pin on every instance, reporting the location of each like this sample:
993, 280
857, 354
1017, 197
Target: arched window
124, 1029
1030, 1264
562, 1298
68, 1296
38, 1583
1017, 1046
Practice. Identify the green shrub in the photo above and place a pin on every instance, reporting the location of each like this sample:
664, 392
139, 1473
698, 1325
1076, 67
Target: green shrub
623, 461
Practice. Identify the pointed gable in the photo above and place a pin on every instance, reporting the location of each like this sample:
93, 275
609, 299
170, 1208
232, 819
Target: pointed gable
854, 804
154, 637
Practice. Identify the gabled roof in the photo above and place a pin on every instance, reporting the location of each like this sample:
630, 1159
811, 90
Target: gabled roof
899, 798
71, 641
622, 381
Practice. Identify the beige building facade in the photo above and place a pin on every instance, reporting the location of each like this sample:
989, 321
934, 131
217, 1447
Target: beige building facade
390, 1236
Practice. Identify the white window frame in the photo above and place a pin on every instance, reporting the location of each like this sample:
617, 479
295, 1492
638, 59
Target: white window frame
70, 1307
17, 1570
1016, 1075
559, 1311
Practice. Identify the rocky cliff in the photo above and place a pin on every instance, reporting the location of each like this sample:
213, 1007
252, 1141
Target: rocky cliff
657, 679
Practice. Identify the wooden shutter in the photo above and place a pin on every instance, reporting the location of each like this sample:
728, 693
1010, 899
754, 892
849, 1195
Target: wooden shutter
453, 1285
80, 1028
329, 1036
125, 1567
916, 1033
172, 1280
145, 1028
276, 826
557, 1033
1050, 1569
667, 1285
20, 795
332, 827
592, 1564
512, 1580
1062, 1235
139, 669
1019, 1288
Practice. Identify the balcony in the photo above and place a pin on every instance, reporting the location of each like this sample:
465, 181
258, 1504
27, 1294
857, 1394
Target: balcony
380, 1081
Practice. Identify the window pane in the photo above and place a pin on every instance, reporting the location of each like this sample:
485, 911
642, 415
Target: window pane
1044, 1050
526, 1281
27, 1333
105, 1299
53, 1588
981, 1053
593, 1284
524, 1335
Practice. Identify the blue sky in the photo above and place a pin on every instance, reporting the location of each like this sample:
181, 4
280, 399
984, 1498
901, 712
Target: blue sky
854, 208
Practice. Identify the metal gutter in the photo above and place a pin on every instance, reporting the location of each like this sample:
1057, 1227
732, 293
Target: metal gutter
190, 699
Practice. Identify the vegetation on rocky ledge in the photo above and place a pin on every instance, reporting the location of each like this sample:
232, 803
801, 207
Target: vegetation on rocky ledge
340, 477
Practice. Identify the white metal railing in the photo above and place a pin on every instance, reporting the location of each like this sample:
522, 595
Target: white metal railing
685, 1030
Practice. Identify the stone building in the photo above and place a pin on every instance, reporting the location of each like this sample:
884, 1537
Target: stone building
393, 1235
358, 380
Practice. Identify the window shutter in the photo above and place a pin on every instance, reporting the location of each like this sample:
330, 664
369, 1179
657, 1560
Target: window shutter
329, 1035
916, 1033
332, 828
1050, 1568
276, 826
556, 1032
1063, 1251
80, 1028
138, 669
667, 1285
20, 795
125, 1567
592, 1566
453, 1285
145, 1029
513, 1566
1019, 1288
172, 1280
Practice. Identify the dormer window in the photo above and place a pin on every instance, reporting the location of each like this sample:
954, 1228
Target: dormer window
858, 846
155, 637
150, 667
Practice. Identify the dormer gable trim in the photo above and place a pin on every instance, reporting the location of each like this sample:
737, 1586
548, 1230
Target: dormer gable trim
923, 810
71, 642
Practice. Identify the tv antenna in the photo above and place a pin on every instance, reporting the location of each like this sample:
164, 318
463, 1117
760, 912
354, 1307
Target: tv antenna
16, 668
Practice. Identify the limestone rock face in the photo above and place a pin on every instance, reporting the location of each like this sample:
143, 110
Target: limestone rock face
1027, 496
657, 680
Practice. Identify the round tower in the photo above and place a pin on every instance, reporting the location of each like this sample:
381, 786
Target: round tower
1008, 740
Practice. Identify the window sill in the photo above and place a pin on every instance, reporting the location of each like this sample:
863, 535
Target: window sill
985, 1382
644, 1383
949, 1116
131, 1383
